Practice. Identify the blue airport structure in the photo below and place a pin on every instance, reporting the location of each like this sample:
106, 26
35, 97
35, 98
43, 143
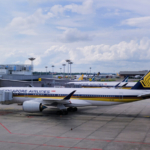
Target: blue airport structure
16, 69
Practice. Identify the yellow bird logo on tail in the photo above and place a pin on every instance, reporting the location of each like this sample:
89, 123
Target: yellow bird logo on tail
146, 81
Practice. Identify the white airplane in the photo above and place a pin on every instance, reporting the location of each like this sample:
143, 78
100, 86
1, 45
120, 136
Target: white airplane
36, 99
124, 84
137, 76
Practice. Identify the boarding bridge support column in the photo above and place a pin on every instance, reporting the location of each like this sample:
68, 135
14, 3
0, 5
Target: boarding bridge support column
5, 97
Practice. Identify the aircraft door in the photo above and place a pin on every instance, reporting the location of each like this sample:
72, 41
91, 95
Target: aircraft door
26, 94
121, 96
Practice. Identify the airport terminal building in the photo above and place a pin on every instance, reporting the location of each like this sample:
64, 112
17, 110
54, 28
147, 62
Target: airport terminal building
16, 69
132, 73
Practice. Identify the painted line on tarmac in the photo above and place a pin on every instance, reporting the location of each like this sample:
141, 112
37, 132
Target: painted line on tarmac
60, 146
4, 113
59, 137
5, 128
132, 142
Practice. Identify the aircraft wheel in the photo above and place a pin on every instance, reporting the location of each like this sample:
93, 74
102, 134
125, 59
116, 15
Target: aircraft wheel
69, 109
65, 112
74, 109
62, 112
59, 112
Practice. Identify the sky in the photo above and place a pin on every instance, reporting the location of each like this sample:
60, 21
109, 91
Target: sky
106, 35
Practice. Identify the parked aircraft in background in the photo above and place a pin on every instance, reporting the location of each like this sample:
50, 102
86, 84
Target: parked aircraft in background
137, 76
124, 84
79, 78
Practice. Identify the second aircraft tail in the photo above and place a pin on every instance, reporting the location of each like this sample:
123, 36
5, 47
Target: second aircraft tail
81, 78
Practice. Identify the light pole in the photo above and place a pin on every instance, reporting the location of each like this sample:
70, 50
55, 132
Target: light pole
90, 70
46, 69
70, 68
64, 68
68, 65
32, 59
52, 70
60, 70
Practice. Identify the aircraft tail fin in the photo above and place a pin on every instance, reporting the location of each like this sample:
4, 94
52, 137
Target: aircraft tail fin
81, 78
93, 78
126, 79
118, 74
143, 83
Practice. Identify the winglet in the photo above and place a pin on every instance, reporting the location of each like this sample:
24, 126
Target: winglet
69, 96
117, 85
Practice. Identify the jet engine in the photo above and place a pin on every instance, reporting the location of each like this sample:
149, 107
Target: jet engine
30, 106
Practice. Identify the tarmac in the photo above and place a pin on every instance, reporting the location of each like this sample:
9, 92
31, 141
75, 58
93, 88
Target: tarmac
118, 127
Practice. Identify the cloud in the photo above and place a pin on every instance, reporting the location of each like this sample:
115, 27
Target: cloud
91, 34
123, 54
84, 9
132, 51
135, 6
74, 35
137, 22
55, 48
26, 25
123, 51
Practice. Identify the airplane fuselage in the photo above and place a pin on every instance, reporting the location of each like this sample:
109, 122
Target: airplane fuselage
82, 97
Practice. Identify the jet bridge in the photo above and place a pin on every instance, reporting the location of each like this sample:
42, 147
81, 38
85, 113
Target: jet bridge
5, 97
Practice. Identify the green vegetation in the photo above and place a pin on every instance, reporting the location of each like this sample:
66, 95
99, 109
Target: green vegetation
107, 80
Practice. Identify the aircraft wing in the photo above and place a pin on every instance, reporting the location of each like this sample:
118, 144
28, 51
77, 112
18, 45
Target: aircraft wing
61, 101
52, 100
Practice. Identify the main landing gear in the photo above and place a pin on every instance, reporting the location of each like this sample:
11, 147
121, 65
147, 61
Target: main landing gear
72, 109
65, 112
62, 112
